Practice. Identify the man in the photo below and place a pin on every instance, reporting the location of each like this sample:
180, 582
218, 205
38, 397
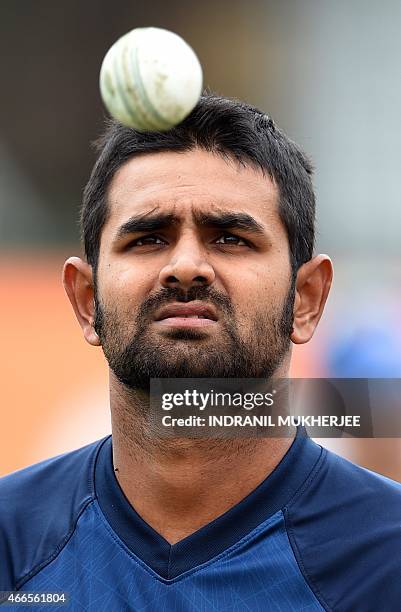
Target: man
199, 263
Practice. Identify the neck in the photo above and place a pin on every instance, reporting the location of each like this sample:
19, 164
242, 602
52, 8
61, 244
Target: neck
178, 485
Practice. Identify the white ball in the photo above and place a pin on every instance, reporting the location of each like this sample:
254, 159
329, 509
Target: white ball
150, 79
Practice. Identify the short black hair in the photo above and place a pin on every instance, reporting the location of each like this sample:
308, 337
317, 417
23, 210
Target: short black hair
220, 125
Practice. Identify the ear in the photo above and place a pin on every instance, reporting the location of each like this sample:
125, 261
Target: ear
78, 283
311, 290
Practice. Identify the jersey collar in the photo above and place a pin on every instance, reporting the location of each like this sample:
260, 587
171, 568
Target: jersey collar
170, 561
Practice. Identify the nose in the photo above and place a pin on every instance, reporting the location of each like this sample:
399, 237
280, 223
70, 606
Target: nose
187, 267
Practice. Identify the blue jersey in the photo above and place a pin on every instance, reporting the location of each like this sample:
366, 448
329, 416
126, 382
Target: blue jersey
318, 534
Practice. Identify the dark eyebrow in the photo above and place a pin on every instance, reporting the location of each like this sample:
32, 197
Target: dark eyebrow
146, 223
230, 220
223, 220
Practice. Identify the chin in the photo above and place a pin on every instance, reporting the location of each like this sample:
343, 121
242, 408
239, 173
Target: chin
186, 334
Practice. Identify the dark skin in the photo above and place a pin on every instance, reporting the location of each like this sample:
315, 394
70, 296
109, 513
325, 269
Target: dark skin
181, 485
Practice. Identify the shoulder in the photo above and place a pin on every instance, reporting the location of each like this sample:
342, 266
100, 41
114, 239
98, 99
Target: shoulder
345, 529
39, 507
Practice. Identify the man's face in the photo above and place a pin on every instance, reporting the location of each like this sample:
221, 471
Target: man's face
194, 275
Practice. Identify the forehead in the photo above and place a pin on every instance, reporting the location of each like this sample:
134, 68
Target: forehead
184, 182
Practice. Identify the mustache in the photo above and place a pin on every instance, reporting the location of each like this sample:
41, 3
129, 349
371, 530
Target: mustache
175, 294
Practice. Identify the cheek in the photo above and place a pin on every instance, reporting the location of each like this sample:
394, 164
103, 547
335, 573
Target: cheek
257, 294
251, 287
125, 288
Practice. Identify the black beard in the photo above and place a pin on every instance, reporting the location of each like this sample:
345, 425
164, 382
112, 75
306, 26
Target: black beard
135, 361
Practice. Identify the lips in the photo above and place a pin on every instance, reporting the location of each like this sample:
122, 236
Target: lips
193, 311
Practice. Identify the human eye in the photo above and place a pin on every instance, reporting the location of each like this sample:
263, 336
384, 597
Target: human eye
227, 239
149, 240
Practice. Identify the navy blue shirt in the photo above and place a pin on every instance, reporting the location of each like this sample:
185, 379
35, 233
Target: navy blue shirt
319, 533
